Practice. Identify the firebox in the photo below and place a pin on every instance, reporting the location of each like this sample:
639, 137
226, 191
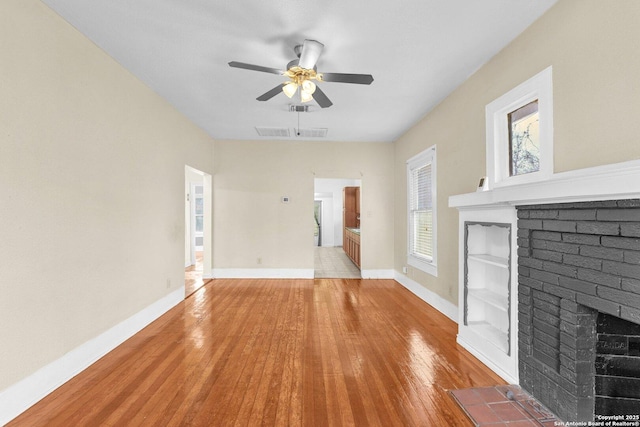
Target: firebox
617, 366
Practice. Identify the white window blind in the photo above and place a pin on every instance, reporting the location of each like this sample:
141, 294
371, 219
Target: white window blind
421, 213
421, 210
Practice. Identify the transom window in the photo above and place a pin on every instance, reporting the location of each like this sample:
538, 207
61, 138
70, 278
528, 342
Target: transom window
520, 133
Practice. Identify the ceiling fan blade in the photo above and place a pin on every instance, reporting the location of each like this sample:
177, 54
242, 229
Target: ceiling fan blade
321, 98
361, 79
270, 94
310, 54
246, 66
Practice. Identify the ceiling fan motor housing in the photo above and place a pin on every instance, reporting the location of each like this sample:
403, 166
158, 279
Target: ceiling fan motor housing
295, 62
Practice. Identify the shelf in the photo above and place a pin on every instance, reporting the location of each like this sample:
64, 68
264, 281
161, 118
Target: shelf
618, 180
492, 335
487, 276
496, 300
490, 259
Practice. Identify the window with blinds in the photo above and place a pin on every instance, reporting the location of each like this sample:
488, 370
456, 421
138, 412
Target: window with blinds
421, 210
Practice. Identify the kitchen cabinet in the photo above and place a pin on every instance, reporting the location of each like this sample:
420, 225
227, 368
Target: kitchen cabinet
352, 245
351, 207
351, 223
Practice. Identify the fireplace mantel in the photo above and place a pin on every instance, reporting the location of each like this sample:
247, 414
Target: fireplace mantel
610, 182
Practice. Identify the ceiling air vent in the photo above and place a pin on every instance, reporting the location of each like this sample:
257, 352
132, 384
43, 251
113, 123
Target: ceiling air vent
311, 132
273, 132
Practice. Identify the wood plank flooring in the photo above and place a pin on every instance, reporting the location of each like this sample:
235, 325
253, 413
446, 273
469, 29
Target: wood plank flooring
323, 352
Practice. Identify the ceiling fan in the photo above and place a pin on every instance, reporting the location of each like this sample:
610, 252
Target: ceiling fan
301, 73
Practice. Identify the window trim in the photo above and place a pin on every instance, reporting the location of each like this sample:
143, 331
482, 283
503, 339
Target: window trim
538, 87
419, 160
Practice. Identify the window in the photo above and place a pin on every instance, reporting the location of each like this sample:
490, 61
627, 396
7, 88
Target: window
421, 207
524, 139
520, 133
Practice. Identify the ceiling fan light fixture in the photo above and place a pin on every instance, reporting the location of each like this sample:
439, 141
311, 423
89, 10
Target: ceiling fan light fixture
308, 86
290, 89
305, 96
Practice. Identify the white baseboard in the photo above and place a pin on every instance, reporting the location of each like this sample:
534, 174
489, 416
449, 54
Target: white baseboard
431, 298
25, 393
377, 274
262, 273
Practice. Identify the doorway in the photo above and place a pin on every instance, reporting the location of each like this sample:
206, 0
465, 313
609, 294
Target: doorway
330, 259
198, 242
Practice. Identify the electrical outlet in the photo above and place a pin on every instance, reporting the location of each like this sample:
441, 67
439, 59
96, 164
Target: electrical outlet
259, 260
404, 269
168, 283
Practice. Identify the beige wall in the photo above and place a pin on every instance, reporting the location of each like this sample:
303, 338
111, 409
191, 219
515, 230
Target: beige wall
251, 222
592, 46
92, 186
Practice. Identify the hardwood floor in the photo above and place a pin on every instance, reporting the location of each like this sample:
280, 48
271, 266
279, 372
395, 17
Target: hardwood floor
317, 352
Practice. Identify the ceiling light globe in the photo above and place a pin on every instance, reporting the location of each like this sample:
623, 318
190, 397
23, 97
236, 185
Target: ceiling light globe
305, 96
309, 86
290, 89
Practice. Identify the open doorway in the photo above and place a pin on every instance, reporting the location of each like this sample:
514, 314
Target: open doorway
197, 229
330, 258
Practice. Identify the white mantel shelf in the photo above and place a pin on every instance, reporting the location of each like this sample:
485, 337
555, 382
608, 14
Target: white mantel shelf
611, 182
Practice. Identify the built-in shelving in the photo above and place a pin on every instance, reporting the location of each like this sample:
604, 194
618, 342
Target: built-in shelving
487, 283
488, 288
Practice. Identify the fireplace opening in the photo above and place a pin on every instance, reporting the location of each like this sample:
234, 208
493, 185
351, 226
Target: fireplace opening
617, 366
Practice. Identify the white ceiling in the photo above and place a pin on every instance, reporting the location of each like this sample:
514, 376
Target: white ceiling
418, 52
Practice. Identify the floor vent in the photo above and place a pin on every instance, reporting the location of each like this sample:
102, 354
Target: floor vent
311, 132
273, 132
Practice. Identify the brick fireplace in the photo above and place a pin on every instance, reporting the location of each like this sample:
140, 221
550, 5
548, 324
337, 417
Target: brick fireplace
576, 262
